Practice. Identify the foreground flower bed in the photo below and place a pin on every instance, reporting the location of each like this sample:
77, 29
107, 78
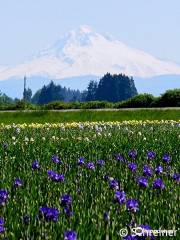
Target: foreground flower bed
88, 180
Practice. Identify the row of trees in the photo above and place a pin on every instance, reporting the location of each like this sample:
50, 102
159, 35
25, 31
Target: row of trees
112, 88
170, 98
118, 89
53, 92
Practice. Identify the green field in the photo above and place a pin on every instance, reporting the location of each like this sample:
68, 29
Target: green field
88, 115
100, 190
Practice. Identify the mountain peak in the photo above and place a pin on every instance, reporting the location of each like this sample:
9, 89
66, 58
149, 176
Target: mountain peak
85, 29
81, 36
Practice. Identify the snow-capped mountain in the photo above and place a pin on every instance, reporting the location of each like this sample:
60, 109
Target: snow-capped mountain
84, 52
83, 55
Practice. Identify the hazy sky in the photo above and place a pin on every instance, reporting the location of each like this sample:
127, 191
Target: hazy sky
29, 25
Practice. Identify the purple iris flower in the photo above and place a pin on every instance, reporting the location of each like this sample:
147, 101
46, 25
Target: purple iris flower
132, 154
146, 234
49, 214
143, 182
55, 176
106, 217
4, 194
114, 184
81, 161
106, 177
158, 184
176, 177
132, 167
147, 171
55, 159
130, 237
151, 155
66, 200
132, 205
100, 163
35, 165
2, 229
90, 165
1, 221
17, 183
119, 158
68, 212
146, 227
159, 169
70, 235
120, 197
166, 158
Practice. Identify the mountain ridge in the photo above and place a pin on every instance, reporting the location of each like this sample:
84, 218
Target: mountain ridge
86, 52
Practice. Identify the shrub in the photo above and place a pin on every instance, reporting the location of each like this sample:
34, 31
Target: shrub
75, 105
96, 105
170, 98
156, 102
57, 105
141, 100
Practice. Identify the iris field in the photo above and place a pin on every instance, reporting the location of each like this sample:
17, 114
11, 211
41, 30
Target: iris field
88, 180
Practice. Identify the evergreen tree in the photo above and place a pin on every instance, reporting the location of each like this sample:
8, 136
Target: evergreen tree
114, 88
50, 93
91, 91
4, 99
54, 92
84, 95
35, 98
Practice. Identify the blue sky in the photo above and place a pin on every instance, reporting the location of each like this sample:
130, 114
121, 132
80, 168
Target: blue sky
29, 25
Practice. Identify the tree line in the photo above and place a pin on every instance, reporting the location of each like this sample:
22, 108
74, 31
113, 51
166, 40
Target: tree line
112, 88
112, 91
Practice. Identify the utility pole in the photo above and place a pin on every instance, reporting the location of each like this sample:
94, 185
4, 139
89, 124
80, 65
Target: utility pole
24, 88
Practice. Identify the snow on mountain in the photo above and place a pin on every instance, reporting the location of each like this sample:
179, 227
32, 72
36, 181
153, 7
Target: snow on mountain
84, 52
